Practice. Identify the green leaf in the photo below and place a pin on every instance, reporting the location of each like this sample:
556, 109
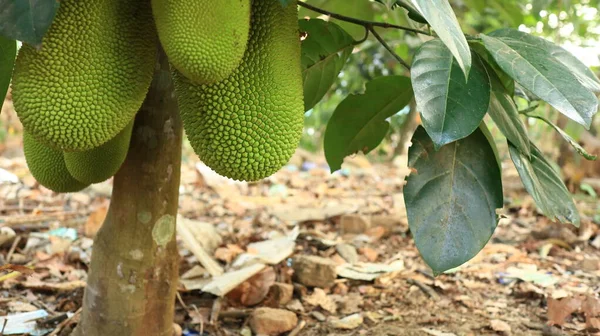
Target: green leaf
325, 50
580, 70
26, 21
451, 107
413, 13
505, 114
441, 17
490, 62
544, 184
567, 138
539, 72
451, 199
285, 2
8, 52
359, 121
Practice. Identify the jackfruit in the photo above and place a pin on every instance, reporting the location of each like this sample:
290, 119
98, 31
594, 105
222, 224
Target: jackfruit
247, 126
100, 163
91, 74
47, 166
205, 40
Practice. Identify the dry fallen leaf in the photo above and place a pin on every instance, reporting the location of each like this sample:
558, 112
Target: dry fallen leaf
16, 268
321, 299
255, 289
559, 310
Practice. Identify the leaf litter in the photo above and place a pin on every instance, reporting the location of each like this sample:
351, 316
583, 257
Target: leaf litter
239, 243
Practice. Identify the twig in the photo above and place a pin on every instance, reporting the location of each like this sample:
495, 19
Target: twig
386, 46
426, 289
360, 22
64, 323
12, 249
216, 311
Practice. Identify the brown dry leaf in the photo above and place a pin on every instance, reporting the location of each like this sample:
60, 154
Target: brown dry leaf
255, 289
377, 232
559, 310
591, 310
16, 268
57, 287
369, 253
94, 221
321, 299
228, 253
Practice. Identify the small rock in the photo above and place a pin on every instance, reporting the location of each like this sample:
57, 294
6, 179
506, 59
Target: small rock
353, 223
348, 252
270, 321
6, 235
500, 326
318, 315
314, 271
349, 322
351, 303
295, 305
279, 295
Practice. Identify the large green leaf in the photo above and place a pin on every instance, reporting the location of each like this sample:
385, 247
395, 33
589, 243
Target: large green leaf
505, 114
580, 70
451, 108
8, 52
452, 197
544, 184
490, 62
325, 50
441, 17
539, 72
359, 121
26, 21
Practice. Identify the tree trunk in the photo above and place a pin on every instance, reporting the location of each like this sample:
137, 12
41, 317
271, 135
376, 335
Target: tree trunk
133, 274
408, 128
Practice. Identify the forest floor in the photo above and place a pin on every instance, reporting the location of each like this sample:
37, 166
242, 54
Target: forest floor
334, 255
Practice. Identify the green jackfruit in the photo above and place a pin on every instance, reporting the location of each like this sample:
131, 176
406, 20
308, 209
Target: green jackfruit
91, 74
100, 163
247, 126
47, 166
204, 39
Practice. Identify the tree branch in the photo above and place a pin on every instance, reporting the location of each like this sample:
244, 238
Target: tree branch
363, 23
387, 46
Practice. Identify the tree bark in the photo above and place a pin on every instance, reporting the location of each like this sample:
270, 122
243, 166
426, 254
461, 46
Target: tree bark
133, 274
408, 128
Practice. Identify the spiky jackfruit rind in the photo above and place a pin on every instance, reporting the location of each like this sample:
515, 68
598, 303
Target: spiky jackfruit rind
247, 126
91, 74
101, 163
204, 39
47, 166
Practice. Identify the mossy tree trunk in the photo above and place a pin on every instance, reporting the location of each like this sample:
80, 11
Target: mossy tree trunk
134, 269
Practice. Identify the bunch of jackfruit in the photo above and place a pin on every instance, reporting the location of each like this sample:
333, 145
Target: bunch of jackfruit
235, 66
